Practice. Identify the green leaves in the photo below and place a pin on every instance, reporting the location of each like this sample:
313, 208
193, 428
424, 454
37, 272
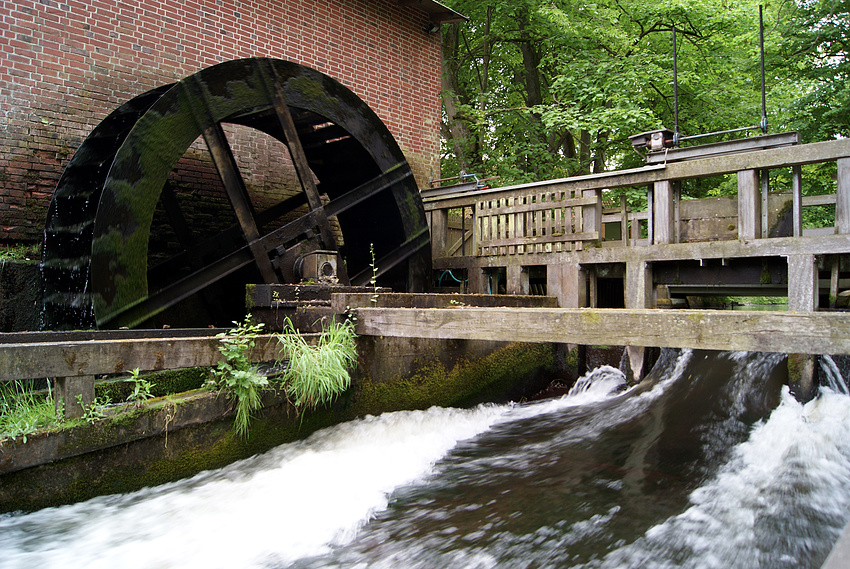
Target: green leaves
237, 375
316, 374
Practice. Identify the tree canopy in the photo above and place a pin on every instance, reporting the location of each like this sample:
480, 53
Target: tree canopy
541, 89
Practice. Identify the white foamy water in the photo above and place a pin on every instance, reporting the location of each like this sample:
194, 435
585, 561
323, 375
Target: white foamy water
292, 502
784, 493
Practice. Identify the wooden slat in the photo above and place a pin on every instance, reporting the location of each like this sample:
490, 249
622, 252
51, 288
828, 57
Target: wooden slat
809, 333
70, 359
543, 240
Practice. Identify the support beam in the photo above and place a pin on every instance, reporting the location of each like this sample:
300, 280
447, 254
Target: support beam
785, 332
842, 197
662, 212
65, 393
749, 205
638, 284
802, 283
567, 282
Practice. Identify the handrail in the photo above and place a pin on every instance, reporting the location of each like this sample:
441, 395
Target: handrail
563, 215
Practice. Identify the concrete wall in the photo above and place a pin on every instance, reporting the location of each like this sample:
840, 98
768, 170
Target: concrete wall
64, 65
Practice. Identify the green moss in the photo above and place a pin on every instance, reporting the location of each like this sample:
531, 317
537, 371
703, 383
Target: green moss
590, 317
165, 382
470, 382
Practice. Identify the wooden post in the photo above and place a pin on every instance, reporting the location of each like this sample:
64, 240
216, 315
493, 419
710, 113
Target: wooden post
749, 205
591, 215
476, 281
568, 283
638, 295
802, 297
517, 278
439, 232
662, 211
66, 390
797, 200
764, 179
842, 197
638, 284
802, 283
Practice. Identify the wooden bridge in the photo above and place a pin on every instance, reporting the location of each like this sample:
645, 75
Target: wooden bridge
568, 239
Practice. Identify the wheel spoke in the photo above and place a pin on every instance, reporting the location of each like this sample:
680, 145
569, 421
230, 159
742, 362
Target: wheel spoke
234, 185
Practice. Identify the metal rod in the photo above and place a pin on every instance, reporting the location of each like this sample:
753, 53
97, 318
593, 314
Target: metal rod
675, 93
761, 46
720, 132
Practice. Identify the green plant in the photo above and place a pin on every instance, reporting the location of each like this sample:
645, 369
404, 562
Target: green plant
316, 374
22, 411
141, 388
374, 280
94, 412
237, 375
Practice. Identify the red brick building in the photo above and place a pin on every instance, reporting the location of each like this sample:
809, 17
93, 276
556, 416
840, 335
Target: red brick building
66, 64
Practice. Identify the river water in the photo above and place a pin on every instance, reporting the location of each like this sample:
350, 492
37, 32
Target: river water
710, 464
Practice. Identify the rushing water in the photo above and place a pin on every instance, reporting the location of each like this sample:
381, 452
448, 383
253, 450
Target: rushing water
711, 464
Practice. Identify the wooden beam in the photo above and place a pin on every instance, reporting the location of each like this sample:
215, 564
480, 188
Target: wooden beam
786, 332
89, 358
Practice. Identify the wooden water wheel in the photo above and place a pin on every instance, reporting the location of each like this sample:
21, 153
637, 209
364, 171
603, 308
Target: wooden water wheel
356, 196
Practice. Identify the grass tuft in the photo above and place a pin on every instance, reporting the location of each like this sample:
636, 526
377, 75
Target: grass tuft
315, 375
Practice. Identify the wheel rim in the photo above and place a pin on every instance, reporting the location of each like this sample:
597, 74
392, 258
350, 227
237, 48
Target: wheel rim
331, 135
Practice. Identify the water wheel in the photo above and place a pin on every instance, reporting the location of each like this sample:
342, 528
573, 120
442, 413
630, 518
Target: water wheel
103, 261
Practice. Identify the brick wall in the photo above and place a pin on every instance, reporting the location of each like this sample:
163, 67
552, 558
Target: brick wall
64, 65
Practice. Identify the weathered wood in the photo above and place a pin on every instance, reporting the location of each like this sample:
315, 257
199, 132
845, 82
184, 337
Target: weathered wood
714, 166
638, 285
842, 194
802, 283
662, 211
84, 358
749, 205
797, 201
786, 332
439, 223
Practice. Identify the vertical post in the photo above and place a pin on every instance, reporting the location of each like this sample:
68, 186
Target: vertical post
797, 200
439, 232
638, 284
802, 297
638, 295
517, 279
749, 205
592, 214
568, 283
833, 280
842, 197
802, 283
650, 214
66, 390
662, 212
764, 179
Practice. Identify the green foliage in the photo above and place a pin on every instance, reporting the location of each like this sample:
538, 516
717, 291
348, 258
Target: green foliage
237, 375
316, 374
23, 412
541, 89
94, 412
22, 252
141, 388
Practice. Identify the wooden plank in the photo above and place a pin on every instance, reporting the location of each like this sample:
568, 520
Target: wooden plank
70, 359
788, 332
842, 204
749, 205
568, 238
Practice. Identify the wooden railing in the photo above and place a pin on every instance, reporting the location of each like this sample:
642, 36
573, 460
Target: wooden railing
567, 215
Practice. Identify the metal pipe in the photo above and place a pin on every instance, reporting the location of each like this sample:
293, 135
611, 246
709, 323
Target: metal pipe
720, 132
761, 46
675, 92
